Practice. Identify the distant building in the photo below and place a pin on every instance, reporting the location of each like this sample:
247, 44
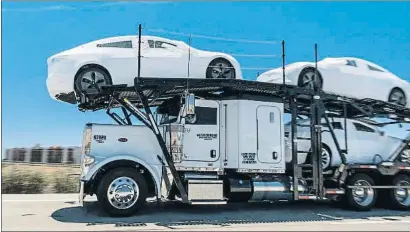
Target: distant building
51, 155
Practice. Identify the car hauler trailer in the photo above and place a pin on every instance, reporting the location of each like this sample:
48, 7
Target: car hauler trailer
223, 141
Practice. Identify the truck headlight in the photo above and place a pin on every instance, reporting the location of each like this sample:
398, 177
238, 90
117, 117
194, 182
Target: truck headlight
88, 160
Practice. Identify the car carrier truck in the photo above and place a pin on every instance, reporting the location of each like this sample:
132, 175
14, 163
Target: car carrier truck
222, 141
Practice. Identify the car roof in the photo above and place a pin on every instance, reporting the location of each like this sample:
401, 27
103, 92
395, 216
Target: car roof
359, 60
133, 37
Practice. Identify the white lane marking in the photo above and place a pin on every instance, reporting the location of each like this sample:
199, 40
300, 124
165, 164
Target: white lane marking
328, 216
361, 221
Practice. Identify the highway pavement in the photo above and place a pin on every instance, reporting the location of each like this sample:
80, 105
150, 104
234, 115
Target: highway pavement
61, 212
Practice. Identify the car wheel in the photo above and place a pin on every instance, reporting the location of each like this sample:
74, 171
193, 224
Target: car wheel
122, 192
326, 155
90, 80
220, 68
364, 197
326, 158
397, 96
306, 78
399, 198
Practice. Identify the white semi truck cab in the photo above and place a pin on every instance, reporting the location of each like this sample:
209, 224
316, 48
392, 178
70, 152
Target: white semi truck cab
217, 148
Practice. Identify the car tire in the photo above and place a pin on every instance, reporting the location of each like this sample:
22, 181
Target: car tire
328, 152
369, 195
212, 71
307, 75
401, 202
397, 96
90, 80
122, 181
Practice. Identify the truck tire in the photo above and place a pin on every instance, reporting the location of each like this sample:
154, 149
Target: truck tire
400, 198
122, 192
361, 199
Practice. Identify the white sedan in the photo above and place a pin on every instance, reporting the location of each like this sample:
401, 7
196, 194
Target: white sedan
366, 144
114, 60
346, 76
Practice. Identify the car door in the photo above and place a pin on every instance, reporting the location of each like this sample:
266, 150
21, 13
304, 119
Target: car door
164, 59
364, 143
120, 58
354, 78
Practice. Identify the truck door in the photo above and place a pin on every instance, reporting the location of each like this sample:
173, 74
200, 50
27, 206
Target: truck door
201, 140
269, 134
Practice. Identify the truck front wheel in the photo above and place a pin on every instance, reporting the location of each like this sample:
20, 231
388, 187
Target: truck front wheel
122, 192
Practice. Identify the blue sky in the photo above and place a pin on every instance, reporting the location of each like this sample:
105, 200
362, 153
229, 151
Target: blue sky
376, 31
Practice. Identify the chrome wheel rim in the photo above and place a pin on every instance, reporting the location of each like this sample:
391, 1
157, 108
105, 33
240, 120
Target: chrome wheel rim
123, 193
397, 97
222, 70
402, 195
92, 81
363, 196
325, 158
308, 80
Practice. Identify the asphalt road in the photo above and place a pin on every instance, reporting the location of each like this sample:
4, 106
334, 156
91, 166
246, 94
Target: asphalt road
61, 212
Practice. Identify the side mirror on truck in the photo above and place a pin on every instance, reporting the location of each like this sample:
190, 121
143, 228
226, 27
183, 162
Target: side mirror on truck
190, 105
188, 112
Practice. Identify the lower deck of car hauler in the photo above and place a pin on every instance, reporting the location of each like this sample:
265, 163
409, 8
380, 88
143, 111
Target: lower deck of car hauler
315, 104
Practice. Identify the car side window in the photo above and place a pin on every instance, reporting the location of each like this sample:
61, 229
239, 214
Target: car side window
351, 63
374, 68
335, 125
151, 43
160, 44
363, 128
205, 116
120, 44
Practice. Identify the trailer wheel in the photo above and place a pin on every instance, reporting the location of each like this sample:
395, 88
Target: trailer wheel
364, 198
399, 198
122, 192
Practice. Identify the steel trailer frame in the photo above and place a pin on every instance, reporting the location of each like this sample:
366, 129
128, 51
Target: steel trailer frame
150, 92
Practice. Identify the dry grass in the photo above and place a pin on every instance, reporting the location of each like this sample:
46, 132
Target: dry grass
26, 178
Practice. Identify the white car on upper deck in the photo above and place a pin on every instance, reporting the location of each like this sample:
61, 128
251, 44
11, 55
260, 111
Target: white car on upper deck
114, 60
346, 76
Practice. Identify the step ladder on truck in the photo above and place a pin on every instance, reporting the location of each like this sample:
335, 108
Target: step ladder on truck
222, 141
